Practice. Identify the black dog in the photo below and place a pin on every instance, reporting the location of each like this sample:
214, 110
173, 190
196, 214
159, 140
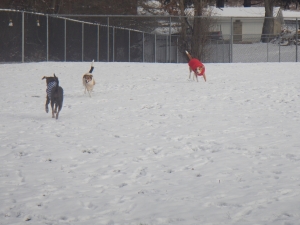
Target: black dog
55, 95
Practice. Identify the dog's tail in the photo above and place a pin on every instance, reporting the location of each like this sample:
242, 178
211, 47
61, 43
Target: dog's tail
188, 54
92, 67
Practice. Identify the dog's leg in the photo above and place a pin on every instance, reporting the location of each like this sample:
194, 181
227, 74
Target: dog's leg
59, 101
190, 72
47, 103
196, 76
204, 77
57, 109
89, 93
52, 107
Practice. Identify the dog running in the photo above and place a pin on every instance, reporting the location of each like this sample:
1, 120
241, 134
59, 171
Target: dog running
196, 66
55, 95
88, 80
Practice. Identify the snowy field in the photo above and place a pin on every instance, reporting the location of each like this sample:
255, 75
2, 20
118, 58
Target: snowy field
151, 147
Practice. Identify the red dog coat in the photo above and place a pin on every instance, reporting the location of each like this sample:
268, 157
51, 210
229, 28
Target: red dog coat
194, 63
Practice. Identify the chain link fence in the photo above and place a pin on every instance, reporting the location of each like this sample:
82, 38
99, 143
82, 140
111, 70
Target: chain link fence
34, 37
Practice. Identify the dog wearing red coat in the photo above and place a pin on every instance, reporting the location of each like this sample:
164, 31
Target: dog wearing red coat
196, 66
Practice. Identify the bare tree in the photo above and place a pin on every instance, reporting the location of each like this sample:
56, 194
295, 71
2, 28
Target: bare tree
195, 23
199, 30
247, 3
55, 6
195, 28
220, 3
268, 25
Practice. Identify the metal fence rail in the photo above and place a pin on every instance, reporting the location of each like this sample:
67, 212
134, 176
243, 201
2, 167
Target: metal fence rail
33, 37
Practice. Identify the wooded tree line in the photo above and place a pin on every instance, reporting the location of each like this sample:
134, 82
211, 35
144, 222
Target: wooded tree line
128, 7
105, 7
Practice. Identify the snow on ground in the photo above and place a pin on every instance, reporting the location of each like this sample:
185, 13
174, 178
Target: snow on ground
151, 147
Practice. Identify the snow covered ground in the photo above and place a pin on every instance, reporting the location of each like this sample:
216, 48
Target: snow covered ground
151, 147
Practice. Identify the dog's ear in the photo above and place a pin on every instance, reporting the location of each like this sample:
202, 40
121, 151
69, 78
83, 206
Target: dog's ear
56, 79
44, 77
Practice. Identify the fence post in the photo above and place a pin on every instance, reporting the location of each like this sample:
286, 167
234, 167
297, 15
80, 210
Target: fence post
177, 49
268, 51
98, 41
296, 39
47, 34
143, 47
113, 43
170, 38
23, 36
223, 50
155, 48
217, 52
129, 46
166, 59
107, 39
65, 41
279, 52
231, 42
82, 41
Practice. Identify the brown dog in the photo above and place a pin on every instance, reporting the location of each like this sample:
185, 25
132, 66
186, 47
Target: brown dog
55, 95
88, 80
196, 66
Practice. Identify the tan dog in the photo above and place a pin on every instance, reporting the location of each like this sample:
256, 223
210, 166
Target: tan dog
88, 80
196, 66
